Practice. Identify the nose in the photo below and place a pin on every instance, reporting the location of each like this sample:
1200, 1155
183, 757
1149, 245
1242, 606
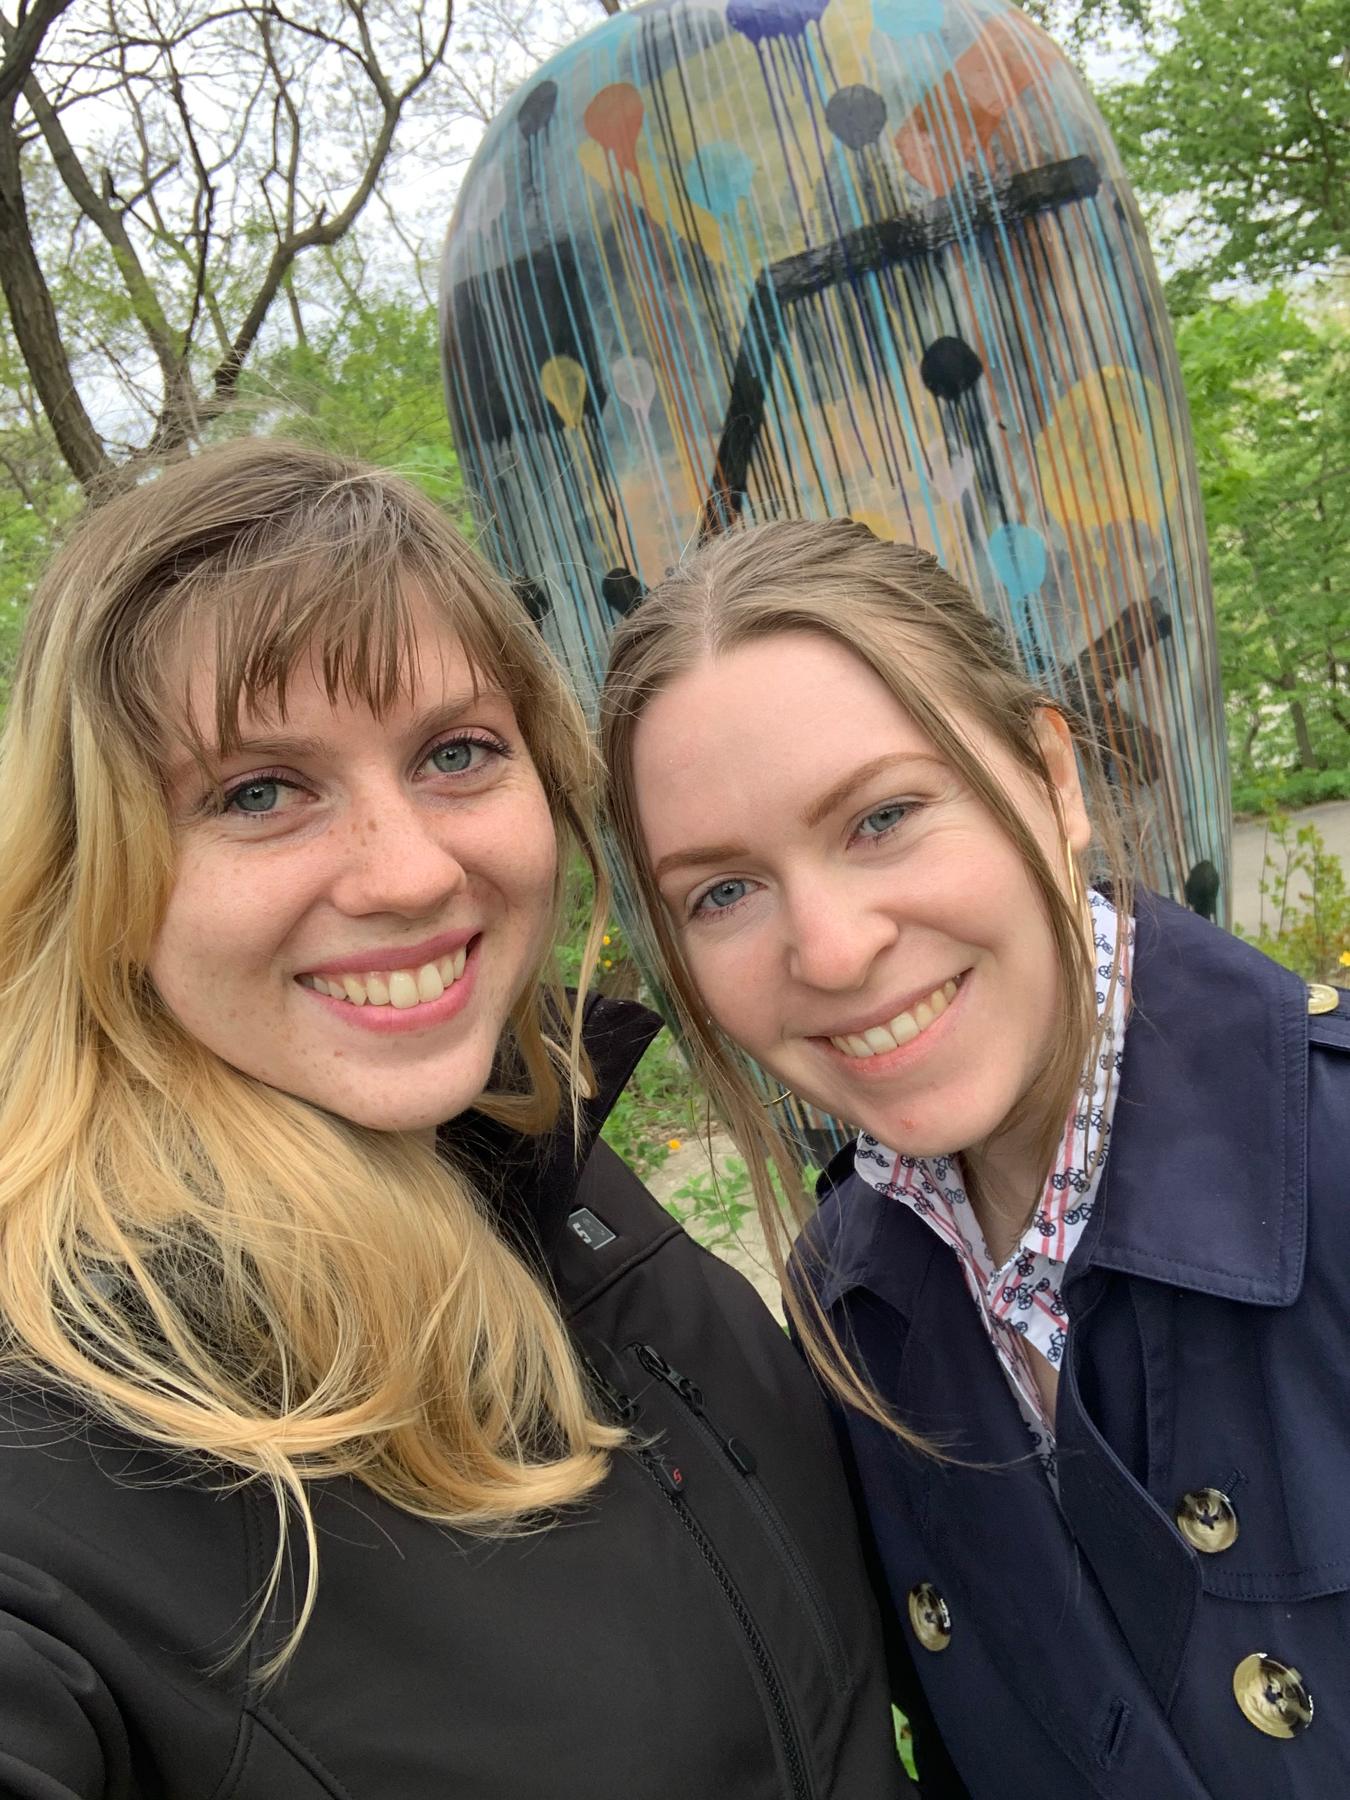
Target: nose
834, 936
395, 856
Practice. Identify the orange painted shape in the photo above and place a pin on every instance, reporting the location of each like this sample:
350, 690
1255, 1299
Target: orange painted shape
956, 121
614, 119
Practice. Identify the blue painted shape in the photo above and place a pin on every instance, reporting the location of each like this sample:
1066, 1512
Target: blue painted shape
901, 19
758, 20
719, 177
1019, 559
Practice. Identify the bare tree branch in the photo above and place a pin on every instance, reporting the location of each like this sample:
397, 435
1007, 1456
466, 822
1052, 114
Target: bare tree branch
203, 149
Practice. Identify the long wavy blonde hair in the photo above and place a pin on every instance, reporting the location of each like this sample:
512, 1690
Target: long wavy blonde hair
945, 661
214, 1265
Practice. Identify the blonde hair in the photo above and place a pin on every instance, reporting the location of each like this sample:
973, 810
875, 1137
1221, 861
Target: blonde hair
214, 1265
898, 611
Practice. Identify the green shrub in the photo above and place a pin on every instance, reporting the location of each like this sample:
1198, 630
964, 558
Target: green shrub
1305, 904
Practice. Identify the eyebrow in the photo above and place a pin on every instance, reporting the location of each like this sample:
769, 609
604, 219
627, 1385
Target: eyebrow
283, 748
811, 815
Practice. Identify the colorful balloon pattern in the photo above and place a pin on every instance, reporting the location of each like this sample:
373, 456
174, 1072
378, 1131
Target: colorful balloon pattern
727, 259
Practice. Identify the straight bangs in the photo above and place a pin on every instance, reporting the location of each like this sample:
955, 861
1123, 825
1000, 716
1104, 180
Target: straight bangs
346, 612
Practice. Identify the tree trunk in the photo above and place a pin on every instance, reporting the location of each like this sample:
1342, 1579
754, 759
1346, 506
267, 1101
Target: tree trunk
1307, 756
36, 330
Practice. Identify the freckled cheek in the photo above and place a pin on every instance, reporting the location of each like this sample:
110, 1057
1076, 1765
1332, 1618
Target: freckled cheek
214, 948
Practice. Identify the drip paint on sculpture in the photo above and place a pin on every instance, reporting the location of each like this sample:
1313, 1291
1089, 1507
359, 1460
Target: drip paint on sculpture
875, 257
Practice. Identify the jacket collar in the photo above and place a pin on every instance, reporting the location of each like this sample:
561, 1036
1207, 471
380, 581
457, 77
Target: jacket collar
1205, 1186
1205, 1183
530, 1182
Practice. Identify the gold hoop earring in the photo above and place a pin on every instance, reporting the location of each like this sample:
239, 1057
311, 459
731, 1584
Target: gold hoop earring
768, 1105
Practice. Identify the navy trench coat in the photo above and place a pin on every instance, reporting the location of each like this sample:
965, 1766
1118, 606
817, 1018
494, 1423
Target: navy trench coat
1090, 1649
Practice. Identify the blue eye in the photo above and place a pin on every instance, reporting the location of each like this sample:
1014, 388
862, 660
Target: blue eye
464, 755
725, 894
884, 819
453, 759
255, 797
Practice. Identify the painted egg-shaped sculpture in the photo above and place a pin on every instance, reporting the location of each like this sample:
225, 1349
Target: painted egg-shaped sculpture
730, 260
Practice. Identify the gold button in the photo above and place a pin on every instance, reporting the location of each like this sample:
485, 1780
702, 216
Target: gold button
1272, 1696
1205, 1518
1322, 998
929, 1616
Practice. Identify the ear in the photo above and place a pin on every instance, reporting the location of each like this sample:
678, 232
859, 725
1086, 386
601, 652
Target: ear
1057, 747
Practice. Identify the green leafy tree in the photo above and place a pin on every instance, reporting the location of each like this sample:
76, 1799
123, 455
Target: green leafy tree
1241, 125
1269, 390
367, 383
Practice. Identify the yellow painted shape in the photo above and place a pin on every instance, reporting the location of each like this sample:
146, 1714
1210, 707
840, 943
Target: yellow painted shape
1095, 457
846, 27
876, 522
563, 381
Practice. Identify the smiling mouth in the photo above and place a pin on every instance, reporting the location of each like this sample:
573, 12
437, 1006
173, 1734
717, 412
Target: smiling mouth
900, 1030
402, 989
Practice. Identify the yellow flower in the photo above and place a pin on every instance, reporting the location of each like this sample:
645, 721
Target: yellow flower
672, 1143
1345, 959
605, 940
608, 963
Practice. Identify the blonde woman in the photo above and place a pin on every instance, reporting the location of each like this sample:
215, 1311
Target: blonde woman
1080, 1288
366, 1430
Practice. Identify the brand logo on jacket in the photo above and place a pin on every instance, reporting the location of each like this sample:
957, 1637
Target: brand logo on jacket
593, 1232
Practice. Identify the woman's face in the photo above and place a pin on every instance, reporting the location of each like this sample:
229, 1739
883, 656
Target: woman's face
850, 913
354, 921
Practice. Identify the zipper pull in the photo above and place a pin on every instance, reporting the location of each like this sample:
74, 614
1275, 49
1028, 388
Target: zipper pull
689, 1391
741, 1454
669, 1474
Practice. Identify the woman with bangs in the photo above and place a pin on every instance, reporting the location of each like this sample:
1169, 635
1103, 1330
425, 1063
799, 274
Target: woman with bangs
1079, 1289
365, 1428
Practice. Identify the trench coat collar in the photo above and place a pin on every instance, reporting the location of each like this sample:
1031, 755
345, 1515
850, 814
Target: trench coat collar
1205, 1183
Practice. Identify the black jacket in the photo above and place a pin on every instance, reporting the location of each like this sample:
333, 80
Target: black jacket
701, 1627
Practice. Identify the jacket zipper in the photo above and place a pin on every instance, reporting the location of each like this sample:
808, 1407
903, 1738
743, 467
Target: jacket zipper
671, 1483
742, 1459
669, 1479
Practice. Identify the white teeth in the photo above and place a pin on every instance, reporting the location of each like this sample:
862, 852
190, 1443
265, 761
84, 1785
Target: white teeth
902, 1029
401, 988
